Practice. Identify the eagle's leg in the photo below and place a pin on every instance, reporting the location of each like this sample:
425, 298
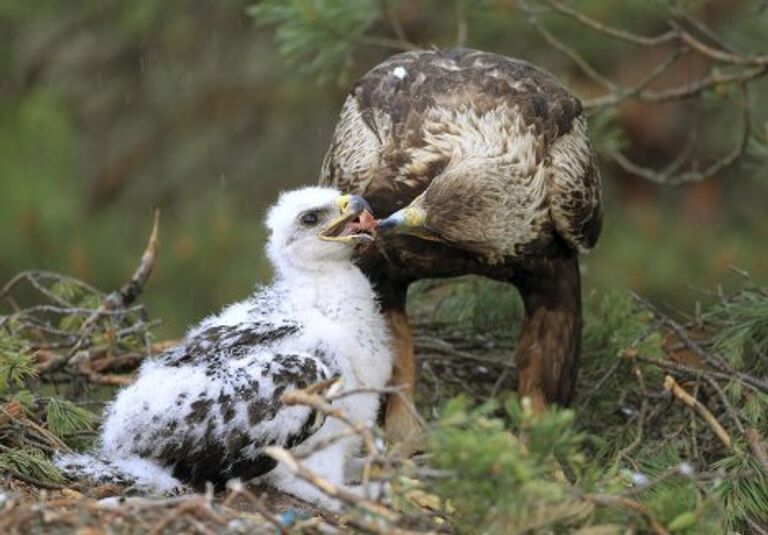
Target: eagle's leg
548, 349
402, 427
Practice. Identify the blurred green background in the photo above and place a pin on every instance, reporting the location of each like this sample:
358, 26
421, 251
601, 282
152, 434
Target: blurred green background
110, 109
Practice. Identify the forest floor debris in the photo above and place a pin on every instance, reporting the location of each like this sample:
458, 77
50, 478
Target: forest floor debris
668, 433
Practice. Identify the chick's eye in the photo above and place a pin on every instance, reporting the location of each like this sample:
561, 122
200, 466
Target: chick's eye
309, 219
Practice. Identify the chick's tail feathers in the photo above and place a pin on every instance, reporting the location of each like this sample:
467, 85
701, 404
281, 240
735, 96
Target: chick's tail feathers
141, 474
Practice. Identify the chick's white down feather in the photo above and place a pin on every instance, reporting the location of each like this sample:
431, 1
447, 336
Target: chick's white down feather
205, 410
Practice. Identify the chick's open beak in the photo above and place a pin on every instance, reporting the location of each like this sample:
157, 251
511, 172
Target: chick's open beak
354, 222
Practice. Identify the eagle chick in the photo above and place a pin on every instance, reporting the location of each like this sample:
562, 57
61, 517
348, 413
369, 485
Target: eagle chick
205, 410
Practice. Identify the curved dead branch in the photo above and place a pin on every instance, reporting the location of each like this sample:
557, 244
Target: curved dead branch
686, 35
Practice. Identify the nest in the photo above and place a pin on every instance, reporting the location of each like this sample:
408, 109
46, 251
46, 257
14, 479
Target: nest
649, 384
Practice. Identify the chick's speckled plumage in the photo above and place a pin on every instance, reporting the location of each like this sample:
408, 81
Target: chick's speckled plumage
206, 409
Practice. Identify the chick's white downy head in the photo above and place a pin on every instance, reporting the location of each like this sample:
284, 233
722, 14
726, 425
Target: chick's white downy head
313, 226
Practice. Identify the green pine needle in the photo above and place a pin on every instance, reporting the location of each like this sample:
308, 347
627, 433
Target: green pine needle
742, 328
63, 418
469, 302
316, 35
66, 289
744, 491
15, 362
31, 463
503, 484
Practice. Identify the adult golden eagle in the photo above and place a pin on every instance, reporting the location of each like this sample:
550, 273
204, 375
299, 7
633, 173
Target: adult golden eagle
483, 164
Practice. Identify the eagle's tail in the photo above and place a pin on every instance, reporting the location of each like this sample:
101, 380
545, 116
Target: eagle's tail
142, 474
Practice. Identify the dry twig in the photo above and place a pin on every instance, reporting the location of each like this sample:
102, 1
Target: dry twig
680, 393
284, 456
686, 34
128, 293
618, 502
714, 361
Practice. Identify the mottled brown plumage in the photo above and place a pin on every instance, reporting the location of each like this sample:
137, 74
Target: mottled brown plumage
494, 152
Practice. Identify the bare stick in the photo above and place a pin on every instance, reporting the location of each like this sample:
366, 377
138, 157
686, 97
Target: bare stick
282, 455
680, 393
386, 9
686, 35
695, 88
641, 417
616, 33
716, 362
630, 505
238, 489
721, 55
197, 506
317, 402
33, 481
726, 403
129, 291
680, 15
755, 526
677, 33
726, 161
567, 51
461, 23
52, 439
636, 91
132, 289
680, 331
32, 278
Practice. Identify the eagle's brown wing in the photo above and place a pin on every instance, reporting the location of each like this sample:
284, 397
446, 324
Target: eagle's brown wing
385, 147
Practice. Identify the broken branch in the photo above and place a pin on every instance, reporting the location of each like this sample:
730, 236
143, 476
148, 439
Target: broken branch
680, 393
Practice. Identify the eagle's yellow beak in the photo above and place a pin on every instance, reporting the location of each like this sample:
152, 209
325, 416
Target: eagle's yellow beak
409, 217
348, 225
409, 220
